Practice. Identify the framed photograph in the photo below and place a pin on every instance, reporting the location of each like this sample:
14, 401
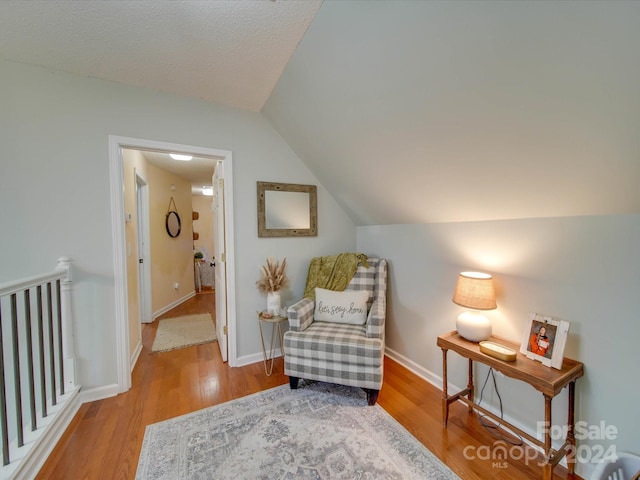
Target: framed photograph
544, 340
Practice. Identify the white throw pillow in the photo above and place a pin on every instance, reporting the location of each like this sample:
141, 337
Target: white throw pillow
341, 307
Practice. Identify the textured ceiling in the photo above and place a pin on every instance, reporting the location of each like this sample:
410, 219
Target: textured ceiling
228, 52
419, 112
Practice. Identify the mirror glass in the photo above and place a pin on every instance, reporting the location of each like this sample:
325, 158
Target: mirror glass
173, 224
287, 210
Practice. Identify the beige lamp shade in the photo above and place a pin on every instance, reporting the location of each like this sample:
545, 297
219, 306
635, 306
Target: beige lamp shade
475, 290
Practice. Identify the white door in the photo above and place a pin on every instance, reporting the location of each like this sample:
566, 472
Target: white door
219, 248
144, 262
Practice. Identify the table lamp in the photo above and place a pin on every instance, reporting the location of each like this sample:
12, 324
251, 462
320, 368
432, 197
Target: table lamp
474, 290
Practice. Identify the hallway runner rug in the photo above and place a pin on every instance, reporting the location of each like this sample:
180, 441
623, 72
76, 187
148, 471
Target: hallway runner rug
186, 331
319, 431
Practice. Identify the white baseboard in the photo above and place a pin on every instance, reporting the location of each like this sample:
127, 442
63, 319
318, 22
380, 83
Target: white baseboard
38, 453
253, 358
425, 374
174, 304
99, 393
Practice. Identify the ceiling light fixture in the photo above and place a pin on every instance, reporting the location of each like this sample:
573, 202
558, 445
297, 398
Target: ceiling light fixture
207, 190
181, 157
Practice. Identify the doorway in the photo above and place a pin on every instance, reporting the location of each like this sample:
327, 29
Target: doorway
116, 144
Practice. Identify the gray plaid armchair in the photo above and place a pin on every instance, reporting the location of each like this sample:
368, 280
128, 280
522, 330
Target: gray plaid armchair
341, 353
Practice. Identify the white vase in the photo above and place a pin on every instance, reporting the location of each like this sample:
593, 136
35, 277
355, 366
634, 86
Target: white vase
273, 303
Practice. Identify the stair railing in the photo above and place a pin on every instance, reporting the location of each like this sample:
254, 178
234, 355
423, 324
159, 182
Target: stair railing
37, 363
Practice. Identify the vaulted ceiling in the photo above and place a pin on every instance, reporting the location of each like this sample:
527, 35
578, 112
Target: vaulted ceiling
406, 111
414, 112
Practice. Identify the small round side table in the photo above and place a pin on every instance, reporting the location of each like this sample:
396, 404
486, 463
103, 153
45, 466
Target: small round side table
276, 333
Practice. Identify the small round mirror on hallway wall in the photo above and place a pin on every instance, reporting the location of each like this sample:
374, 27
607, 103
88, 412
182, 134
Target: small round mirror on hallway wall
173, 224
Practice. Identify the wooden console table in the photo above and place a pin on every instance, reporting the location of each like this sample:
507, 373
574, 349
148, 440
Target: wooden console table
548, 381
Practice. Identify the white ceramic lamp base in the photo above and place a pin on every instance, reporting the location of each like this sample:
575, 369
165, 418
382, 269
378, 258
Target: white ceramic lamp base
473, 326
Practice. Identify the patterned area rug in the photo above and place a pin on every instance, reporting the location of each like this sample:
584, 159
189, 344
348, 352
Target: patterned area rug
320, 431
183, 332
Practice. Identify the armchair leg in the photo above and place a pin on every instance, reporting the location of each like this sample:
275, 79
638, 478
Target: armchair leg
293, 382
372, 396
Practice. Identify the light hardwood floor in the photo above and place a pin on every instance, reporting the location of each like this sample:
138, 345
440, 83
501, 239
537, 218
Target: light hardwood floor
105, 437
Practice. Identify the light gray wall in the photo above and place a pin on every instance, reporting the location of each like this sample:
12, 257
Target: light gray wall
54, 192
585, 270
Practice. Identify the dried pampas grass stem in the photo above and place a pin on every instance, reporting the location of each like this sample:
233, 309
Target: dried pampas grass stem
272, 276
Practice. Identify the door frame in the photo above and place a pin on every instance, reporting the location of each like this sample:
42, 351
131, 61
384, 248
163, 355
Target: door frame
144, 268
116, 144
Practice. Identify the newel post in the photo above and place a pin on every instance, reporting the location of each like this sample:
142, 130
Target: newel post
68, 353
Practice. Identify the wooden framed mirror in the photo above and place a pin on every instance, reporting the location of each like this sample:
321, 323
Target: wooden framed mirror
287, 210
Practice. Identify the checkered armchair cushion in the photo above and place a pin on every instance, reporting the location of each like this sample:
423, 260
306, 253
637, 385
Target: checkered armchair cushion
339, 353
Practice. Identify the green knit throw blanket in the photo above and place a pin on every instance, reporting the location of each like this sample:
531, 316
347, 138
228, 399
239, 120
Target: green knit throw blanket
333, 272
